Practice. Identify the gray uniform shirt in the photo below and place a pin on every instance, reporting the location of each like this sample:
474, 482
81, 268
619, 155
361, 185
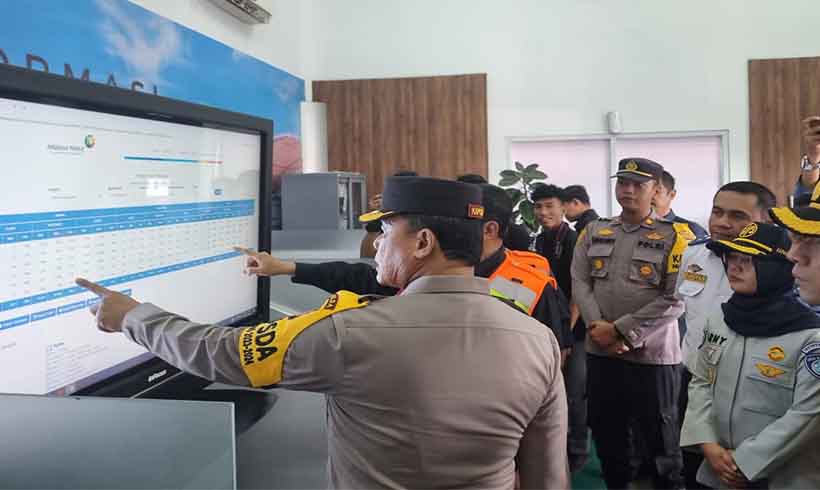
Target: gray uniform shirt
626, 274
442, 386
759, 397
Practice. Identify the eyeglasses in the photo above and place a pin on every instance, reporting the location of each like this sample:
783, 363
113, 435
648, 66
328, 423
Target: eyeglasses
807, 166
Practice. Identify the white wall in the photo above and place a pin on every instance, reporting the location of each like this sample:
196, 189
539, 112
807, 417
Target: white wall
557, 66
286, 42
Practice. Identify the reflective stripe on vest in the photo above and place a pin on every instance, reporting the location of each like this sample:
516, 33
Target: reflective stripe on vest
519, 282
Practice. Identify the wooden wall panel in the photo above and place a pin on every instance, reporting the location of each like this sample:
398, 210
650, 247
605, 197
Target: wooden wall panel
782, 92
436, 126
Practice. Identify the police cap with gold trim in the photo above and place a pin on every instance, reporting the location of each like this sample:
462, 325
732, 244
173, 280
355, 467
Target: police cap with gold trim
760, 240
428, 196
803, 220
640, 169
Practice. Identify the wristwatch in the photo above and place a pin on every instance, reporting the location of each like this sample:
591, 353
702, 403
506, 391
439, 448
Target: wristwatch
806, 165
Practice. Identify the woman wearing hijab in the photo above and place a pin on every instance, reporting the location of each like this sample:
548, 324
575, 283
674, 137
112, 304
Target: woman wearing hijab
755, 394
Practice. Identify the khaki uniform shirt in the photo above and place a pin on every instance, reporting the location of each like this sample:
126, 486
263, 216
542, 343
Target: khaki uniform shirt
626, 274
442, 386
760, 398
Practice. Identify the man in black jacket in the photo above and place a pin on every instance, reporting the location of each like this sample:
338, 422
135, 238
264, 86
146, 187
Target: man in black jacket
557, 243
550, 309
577, 206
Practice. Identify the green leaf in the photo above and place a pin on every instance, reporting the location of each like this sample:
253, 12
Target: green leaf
527, 210
531, 167
536, 175
508, 181
519, 166
509, 173
531, 224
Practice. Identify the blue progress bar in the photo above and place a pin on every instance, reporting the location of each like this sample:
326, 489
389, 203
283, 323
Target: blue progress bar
169, 160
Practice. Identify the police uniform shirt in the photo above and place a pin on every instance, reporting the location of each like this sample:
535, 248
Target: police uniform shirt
702, 284
626, 274
760, 397
441, 386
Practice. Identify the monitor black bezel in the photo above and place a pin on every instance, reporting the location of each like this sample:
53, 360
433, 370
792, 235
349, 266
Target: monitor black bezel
45, 88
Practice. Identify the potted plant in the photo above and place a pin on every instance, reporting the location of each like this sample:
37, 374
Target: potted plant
519, 184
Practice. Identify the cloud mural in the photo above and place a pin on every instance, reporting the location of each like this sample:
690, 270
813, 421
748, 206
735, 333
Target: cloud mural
133, 48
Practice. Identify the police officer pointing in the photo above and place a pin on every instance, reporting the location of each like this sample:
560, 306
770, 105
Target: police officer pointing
624, 271
441, 386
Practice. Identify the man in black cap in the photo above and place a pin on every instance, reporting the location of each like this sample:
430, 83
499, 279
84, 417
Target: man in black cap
803, 224
517, 236
624, 271
536, 293
412, 401
577, 206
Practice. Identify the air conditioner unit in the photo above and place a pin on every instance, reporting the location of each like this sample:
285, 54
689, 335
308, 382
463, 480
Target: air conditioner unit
247, 11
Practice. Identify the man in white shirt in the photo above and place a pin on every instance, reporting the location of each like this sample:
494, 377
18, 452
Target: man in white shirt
702, 281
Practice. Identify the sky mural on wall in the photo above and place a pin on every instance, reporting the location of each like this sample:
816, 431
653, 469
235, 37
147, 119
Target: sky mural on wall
118, 43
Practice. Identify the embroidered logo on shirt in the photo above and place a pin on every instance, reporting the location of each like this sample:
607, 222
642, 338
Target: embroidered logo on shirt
646, 270
606, 232
812, 359
597, 264
649, 221
768, 370
655, 236
777, 353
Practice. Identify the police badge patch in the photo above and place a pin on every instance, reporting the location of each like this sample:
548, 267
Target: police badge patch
812, 359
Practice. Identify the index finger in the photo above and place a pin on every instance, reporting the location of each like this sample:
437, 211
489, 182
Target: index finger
246, 251
93, 287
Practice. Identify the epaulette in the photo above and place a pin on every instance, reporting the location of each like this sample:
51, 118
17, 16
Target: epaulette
370, 298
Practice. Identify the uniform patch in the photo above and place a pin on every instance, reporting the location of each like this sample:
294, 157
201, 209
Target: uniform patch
646, 270
652, 245
598, 264
655, 236
776, 353
606, 232
649, 221
768, 370
812, 359
711, 375
695, 277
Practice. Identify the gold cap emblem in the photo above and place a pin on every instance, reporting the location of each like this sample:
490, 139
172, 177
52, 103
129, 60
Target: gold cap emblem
750, 230
631, 166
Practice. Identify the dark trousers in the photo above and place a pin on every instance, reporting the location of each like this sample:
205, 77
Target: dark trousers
575, 379
619, 391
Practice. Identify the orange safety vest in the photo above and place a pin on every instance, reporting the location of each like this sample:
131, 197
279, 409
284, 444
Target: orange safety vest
521, 278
